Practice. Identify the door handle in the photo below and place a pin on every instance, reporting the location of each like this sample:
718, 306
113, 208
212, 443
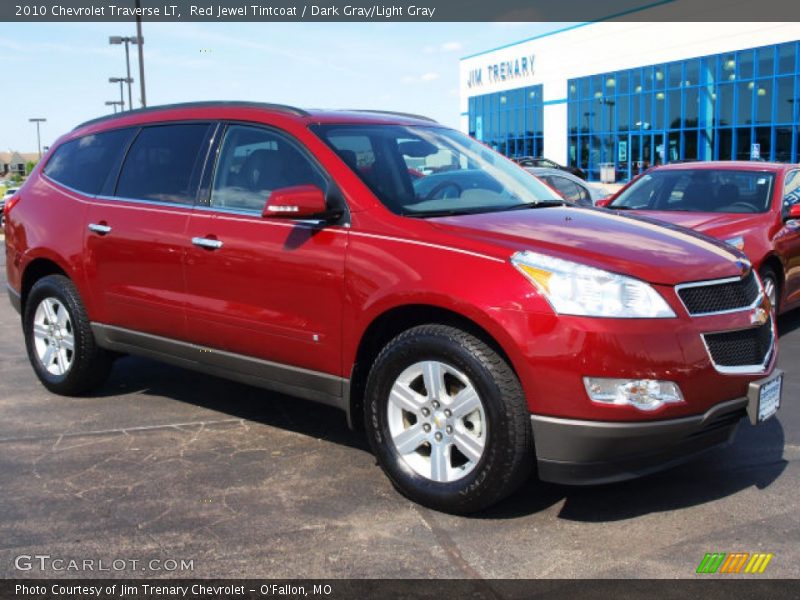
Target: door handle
99, 229
207, 243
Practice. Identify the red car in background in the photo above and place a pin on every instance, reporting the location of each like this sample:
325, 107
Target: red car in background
753, 206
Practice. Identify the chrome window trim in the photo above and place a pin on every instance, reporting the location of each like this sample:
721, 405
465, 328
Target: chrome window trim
712, 282
744, 369
188, 206
232, 211
243, 212
52, 181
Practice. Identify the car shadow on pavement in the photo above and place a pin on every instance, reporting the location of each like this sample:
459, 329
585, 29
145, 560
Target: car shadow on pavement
143, 376
755, 459
789, 322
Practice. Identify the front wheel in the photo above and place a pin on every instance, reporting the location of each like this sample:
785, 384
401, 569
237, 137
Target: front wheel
771, 286
447, 420
59, 340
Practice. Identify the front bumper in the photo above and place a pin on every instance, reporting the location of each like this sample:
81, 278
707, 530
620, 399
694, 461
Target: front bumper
580, 452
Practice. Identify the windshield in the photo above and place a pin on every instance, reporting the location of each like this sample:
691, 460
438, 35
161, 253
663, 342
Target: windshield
430, 171
699, 190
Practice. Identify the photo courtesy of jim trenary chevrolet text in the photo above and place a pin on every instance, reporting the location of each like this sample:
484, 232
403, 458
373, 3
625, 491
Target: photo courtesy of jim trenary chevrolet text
425, 299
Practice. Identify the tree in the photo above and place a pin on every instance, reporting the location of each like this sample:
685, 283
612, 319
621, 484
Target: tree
29, 167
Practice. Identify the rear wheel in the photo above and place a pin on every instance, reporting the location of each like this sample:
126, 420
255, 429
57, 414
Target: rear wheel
447, 419
59, 340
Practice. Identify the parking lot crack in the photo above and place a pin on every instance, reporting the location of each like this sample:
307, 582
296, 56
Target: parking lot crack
452, 552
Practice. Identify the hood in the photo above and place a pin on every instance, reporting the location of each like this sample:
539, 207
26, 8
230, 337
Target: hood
644, 248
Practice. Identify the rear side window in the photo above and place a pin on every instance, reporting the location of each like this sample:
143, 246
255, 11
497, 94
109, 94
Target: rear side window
84, 163
163, 163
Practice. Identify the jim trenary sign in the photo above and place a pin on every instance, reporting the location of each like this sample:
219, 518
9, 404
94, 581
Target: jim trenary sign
515, 68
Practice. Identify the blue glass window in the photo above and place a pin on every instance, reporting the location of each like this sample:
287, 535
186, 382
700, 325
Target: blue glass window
512, 121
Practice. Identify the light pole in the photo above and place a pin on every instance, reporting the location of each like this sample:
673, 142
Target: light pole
117, 39
38, 120
115, 103
140, 43
120, 81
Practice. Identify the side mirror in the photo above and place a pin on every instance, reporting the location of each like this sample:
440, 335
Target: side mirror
793, 212
296, 202
604, 202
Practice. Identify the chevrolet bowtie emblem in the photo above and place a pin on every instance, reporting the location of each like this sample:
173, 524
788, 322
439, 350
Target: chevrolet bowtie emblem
759, 317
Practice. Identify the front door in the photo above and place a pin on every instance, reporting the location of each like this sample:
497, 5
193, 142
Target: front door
266, 288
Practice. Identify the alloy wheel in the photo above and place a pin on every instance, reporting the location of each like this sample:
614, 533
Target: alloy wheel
437, 421
53, 336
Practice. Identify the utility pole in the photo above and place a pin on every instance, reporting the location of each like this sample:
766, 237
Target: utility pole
38, 134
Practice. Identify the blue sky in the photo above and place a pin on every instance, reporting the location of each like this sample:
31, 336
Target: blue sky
61, 71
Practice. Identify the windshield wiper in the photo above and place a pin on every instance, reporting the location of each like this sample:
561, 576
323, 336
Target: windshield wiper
489, 209
537, 204
439, 213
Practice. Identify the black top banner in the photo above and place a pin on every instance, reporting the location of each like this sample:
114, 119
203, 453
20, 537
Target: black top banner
402, 10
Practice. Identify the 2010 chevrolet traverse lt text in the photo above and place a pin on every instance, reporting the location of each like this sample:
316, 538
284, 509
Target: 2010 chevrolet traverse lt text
474, 328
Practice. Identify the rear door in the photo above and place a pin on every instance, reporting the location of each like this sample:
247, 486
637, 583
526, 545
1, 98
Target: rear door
136, 238
267, 288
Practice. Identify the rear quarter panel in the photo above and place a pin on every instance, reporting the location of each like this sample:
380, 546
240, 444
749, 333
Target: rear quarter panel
47, 223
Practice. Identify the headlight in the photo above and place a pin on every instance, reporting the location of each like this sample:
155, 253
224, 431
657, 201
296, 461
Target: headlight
737, 242
576, 289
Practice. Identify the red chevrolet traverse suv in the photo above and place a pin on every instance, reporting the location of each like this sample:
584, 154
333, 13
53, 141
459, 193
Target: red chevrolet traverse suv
754, 206
473, 328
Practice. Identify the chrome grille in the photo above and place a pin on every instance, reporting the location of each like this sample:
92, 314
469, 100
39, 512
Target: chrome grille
725, 295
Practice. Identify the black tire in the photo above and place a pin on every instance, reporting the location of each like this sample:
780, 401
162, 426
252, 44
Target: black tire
508, 454
767, 275
90, 364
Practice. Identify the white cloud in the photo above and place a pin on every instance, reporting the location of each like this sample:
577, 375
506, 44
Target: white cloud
452, 46
445, 47
424, 78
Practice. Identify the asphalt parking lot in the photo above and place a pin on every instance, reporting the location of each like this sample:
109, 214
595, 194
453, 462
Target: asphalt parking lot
167, 464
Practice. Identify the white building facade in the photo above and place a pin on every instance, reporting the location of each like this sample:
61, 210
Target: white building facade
634, 94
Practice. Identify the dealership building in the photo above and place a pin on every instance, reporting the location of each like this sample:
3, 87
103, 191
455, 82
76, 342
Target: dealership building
623, 96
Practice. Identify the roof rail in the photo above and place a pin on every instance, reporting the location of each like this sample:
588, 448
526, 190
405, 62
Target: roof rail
395, 113
242, 104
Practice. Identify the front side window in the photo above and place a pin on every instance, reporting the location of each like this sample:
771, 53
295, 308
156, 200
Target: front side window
423, 171
163, 163
252, 163
85, 163
699, 190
